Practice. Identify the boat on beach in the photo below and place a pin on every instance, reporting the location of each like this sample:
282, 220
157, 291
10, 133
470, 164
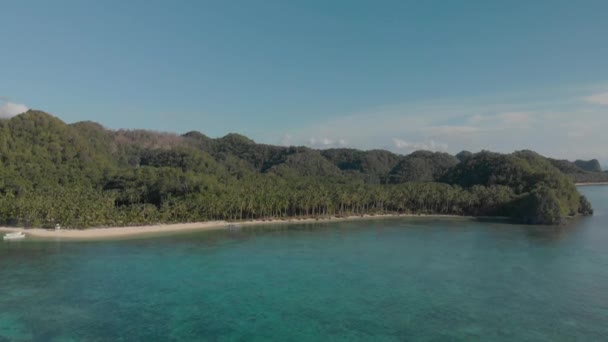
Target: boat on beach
14, 236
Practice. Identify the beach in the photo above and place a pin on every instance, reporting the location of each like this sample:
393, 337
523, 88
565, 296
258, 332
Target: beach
590, 184
133, 231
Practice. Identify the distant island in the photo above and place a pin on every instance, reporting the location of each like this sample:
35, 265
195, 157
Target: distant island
82, 175
582, 171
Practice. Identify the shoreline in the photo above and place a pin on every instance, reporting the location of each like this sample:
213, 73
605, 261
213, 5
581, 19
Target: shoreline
591, 183
168, 229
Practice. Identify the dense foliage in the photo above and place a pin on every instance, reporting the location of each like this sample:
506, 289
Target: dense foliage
83, 175
582, 171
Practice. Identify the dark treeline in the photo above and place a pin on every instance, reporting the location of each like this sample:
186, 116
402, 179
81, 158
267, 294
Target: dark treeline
82, 175
582, 171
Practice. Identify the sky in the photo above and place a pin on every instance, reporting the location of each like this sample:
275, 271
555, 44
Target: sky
398, 75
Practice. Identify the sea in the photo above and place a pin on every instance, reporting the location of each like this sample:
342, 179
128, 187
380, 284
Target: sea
390, 279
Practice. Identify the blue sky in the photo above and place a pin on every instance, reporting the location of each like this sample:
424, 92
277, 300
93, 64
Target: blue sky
402, 75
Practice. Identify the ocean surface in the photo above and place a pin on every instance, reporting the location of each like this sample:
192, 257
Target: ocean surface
402, 279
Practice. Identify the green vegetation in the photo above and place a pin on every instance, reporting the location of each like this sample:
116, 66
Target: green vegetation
582, 171
82, 175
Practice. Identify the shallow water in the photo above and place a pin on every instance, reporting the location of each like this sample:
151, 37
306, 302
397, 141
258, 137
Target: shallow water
384, 280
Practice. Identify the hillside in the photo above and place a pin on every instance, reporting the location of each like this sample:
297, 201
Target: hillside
83, 175
582, 171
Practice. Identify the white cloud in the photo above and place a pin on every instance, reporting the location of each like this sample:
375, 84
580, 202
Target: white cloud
580, 130
10, 109
516, 118
501, 120
406, 146
451, 130
556, 124
326, 142
286, 140
598, 98
399, 143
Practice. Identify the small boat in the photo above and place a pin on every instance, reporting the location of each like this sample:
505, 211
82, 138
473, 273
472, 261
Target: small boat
14, 236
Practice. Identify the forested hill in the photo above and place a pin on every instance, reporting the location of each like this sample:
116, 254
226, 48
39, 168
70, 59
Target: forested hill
582, 171
82, 175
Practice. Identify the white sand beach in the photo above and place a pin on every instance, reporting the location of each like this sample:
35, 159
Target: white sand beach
130, 231
590, 184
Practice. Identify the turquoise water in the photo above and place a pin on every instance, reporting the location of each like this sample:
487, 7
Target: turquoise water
384, 280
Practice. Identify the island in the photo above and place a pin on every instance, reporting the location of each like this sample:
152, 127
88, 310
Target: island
83, 175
